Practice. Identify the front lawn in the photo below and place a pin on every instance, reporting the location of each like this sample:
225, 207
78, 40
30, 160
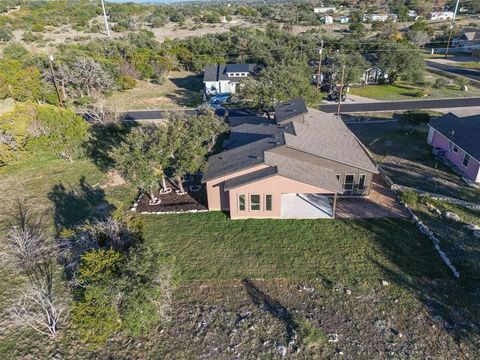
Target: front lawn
405, 91
181, 89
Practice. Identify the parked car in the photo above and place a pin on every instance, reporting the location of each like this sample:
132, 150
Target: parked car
220, 99
334, 94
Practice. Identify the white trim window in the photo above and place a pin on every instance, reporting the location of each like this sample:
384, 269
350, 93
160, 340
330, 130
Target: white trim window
361, 181
268, 202
466, 160
348, 182
241, 202
254, 202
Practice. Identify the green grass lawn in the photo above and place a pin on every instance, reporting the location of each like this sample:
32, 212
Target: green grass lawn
211, 247
386, 92
404, 91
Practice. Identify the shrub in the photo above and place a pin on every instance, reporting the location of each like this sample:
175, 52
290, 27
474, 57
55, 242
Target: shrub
28, 36
461, 81
440, 83
96, 316
417, 117
63, 130
126, 82
5, 35
98, 265
409, 197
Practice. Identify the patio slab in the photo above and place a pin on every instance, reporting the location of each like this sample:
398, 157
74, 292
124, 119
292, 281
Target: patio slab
382, 202
305, 206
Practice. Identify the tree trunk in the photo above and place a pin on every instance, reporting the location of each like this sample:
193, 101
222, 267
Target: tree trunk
180, 184
164, 183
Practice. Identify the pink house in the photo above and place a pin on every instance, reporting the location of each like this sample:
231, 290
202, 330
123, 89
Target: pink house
292, 167
457, 139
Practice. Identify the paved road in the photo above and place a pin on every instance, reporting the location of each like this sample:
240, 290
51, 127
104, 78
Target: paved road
457, 70
152, 115
404, 105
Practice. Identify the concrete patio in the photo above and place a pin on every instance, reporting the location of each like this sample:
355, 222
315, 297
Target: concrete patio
305, 206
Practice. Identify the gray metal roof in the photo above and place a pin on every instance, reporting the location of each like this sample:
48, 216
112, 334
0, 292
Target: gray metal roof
250, 177
462, 131
218, 72
289, 109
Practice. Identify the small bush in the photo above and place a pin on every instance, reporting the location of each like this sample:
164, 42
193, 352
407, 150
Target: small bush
310, 335
126, 82
461, 81
440, 83
417, 117
409, 197
5, 35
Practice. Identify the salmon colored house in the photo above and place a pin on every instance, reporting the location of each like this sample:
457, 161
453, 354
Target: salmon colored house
292, 167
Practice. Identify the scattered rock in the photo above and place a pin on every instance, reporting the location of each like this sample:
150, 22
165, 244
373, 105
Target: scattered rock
332, 337
473, 227
282, 350
452, 216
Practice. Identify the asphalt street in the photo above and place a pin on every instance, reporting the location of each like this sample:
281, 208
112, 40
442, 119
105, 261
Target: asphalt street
457, 70
153, 115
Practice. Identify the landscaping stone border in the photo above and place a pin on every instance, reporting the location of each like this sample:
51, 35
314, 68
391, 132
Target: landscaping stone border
424, 229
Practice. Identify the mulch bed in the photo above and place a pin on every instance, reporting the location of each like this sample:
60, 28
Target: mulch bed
172, 202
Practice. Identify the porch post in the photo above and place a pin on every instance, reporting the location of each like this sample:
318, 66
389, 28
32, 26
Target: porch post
334, 205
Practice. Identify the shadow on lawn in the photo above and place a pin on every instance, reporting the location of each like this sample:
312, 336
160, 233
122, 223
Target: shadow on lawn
416, 266
75, 204
102, 140
272, 306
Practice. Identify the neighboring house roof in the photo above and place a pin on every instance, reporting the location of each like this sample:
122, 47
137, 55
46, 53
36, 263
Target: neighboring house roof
218, 72
289, 109
462, 131
234, 68
469, 34
312, 149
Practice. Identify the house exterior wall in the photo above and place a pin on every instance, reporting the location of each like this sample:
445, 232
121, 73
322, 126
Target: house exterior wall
437, 140
221, 87
218, 198
340, 169
275, 186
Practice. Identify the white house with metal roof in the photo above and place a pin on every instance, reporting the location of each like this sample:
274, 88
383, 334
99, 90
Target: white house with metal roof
224, 78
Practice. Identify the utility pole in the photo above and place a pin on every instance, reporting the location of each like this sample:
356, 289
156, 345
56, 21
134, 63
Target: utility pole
319, 64
341, 91
452, 25
105, 18
54, 78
